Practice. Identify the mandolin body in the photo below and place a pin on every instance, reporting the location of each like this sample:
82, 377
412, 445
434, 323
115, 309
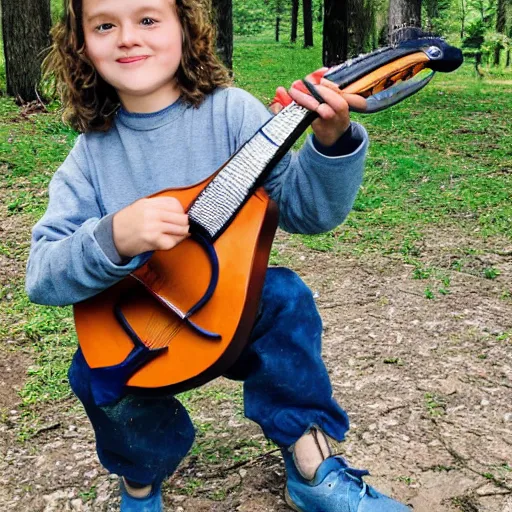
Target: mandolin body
181, 275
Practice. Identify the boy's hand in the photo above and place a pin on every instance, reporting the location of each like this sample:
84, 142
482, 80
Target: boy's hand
334, 117
149, 224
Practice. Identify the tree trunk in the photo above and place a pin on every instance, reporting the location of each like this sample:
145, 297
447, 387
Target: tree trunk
361, 14
335, 43
26, 35
295, 17
278, 18
478, 62
432, 9
223, 15
500, 28
462, 18
403, 13
308, 23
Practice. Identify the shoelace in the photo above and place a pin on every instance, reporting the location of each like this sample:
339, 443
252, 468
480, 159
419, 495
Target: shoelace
357, 476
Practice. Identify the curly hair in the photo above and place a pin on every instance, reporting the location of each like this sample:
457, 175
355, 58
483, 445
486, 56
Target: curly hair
90, 103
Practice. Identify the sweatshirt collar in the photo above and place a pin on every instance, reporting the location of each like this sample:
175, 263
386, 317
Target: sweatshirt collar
152, 120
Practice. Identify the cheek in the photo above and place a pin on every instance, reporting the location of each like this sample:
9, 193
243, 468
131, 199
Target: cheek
92, 53
170, 47
96, 51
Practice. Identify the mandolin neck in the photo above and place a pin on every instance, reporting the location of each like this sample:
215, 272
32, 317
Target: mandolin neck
220, 200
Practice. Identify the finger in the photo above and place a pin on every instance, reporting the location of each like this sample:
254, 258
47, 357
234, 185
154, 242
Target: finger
333, 106
180, 219
275, 108
281, 99
317, 75
356, 103
332, 98
303, 98
167, 242
166, 203
174, 229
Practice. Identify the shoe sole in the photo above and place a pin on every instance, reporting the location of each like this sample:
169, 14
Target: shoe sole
289, 501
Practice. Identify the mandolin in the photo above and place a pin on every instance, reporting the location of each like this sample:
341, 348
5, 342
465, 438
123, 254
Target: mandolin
184, 317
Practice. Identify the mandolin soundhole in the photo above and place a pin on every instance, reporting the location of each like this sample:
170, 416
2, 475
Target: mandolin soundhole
154, 324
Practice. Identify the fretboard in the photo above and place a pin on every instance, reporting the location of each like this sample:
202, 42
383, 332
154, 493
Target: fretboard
220, 200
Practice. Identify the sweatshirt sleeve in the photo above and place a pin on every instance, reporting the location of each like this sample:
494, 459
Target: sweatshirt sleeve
66, 263
314, 191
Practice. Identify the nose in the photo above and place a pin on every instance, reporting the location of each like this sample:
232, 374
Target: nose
128, 36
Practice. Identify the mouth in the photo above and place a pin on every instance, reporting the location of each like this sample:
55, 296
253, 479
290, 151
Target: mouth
129, 60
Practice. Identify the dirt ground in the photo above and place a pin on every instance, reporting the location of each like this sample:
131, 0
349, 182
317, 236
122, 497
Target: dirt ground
427, 385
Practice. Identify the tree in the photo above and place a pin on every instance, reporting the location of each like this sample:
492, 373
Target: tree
279, 12
509, 60
500, 28
463, 14
26, 36
335, 43
295, 17
223, 16
403, 13
308, 22
362, 19
437, 14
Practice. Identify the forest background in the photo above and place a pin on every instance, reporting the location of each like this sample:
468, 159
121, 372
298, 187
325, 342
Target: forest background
415, 288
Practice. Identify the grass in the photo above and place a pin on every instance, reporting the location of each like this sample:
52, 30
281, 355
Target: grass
437, 160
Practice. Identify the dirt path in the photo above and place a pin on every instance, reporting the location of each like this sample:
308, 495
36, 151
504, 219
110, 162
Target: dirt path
427, 385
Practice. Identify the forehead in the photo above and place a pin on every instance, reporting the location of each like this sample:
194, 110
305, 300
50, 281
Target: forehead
92, 8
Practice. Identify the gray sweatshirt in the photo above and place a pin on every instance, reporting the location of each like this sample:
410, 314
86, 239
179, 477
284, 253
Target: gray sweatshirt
73, 255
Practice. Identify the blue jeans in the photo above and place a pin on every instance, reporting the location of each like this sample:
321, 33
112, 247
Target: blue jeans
286, 391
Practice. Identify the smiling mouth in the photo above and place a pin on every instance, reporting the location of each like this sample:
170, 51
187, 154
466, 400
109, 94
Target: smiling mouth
128, 60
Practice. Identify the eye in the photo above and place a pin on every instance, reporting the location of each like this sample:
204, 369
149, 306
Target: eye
147, 22
104, 27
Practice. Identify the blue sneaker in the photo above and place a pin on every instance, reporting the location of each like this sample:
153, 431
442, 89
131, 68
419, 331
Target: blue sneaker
151, 503
335, 488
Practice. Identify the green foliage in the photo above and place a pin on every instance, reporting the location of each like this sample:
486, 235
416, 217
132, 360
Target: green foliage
493, 40
475, 35
252, 17
57, 8
491, 273
257, 17
436, 15
435, 404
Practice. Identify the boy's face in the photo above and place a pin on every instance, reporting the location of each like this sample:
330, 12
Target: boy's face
135, 45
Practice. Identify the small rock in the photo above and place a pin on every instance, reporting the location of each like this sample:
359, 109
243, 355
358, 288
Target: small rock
243, 473
484, 402
507, 417
367, 438
77, 505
